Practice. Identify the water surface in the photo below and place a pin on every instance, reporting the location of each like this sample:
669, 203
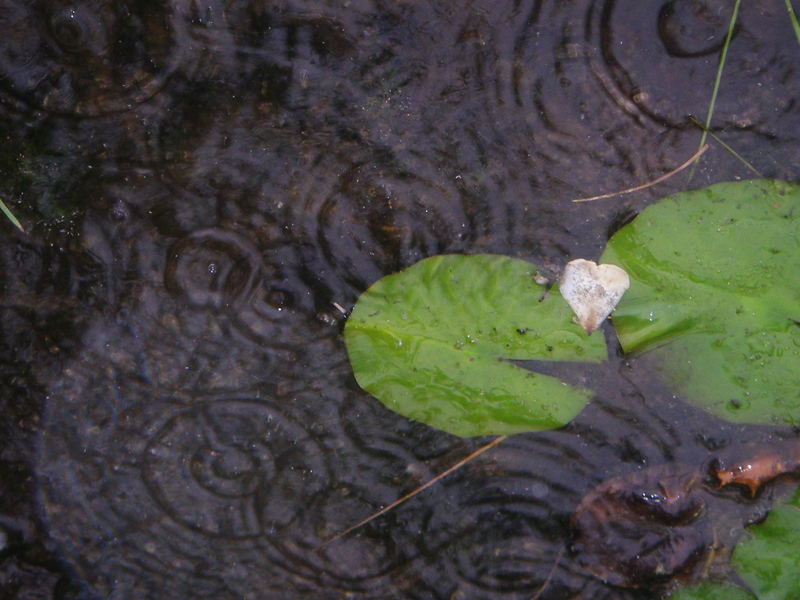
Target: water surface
204, 185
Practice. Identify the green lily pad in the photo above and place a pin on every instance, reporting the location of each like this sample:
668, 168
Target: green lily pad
715, 295
769, 561
430, 343
712, 590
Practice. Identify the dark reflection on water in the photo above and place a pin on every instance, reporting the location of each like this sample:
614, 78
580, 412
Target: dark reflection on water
205, 183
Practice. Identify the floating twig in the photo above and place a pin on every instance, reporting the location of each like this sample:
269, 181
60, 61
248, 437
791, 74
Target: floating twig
413, 493
549, 577
644, 186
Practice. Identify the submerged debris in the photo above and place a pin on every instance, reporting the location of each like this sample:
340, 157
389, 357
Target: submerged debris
671, 523
644, 528
753, 469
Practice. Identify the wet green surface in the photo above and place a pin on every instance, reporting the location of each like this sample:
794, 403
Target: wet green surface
768, 560
429, 343
715, 297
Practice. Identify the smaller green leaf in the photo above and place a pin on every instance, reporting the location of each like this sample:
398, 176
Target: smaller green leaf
433, 343
769, 560
713, 590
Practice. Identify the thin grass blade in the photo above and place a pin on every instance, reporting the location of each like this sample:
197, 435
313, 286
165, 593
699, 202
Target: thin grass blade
723, 57
727, 147
793, 18
7, 212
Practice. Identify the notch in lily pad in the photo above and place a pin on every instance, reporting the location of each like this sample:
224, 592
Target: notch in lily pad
434, 343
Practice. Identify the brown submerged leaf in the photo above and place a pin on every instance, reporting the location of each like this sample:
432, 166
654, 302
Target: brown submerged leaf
643, 528
670, 523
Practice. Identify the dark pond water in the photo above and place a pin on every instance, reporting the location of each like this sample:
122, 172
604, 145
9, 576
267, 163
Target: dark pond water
205, 182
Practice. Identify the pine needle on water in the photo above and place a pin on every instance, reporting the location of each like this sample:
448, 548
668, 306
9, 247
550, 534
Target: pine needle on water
413, 493
644, 186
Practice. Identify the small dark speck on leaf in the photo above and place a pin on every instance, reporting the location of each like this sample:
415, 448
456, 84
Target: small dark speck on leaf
522, 331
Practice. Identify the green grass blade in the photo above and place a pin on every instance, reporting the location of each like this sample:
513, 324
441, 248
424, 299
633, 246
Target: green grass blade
793, 18
727, 147
723, 57
7, 212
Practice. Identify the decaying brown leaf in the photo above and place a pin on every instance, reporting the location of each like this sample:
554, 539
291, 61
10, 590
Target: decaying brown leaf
761, 467
670, 523
644, 528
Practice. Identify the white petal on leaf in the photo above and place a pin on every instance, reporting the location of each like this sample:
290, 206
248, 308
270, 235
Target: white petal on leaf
592, 290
